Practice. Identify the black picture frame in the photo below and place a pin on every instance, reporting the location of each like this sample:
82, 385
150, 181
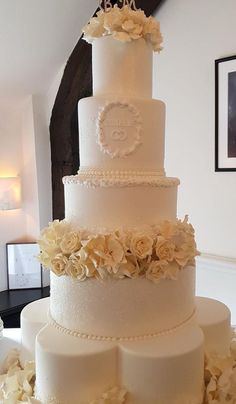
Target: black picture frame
225, 114
23, 269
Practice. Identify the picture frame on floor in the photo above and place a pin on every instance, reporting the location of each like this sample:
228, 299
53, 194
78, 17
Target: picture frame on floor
23, 269
225, 114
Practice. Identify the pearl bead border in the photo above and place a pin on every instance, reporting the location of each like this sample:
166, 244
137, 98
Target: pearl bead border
99, 181
95, 337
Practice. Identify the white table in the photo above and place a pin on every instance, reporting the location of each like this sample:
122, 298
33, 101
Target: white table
11, 339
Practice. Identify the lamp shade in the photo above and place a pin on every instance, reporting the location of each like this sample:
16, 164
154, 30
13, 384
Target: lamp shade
10, 193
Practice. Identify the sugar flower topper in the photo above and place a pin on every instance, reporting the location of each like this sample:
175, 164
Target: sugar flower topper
124, 24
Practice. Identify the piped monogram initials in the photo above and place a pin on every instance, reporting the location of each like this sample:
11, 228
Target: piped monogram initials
119, 128
119, 135
106, 5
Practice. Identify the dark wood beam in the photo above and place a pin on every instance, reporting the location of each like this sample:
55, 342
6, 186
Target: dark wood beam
76, 83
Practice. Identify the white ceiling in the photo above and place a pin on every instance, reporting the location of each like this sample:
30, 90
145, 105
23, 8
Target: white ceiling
36, 39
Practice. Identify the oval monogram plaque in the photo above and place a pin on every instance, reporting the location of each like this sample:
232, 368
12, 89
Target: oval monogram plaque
119, 129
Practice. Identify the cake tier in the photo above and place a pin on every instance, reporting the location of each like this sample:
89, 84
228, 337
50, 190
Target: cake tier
122, 308
214, 319
122, 68
162, 370
212, 316
122, 133
114, 203
33, 317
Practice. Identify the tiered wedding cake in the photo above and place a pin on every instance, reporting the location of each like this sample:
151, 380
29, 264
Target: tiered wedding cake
123, 319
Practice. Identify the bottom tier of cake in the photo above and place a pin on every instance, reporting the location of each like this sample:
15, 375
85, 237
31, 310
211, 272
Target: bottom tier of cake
166, 369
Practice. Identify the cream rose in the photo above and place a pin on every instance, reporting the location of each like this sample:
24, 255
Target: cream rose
59, 264
141, 245
70, 243
156, 271
165, 249
79, 269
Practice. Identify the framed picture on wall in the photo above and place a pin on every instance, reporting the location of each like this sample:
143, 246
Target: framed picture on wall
24, 270
225, 113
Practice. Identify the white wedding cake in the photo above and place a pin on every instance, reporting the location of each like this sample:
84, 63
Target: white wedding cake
124, 325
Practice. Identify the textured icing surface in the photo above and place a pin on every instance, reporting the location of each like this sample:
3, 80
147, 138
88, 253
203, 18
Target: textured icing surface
138, 306
147, 156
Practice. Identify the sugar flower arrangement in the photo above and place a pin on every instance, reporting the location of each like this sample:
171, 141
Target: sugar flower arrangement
125, 25
17, 380
155, 252
220, 376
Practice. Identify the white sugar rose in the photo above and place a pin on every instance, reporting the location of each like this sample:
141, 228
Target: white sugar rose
141, 245
70, 243
79, 269
165, 249
59, 264
156, 271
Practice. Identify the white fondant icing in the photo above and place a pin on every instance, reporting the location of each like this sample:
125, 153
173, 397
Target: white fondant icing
122, 68
33, 318
166, 368
139, 306
149, 156
214, 320
112, 207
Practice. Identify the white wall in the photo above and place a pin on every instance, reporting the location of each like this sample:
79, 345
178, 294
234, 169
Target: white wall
25, 151
195, 34
13, 224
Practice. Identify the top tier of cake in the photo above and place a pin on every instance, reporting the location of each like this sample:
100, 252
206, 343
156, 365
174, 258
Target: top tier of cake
122, 70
